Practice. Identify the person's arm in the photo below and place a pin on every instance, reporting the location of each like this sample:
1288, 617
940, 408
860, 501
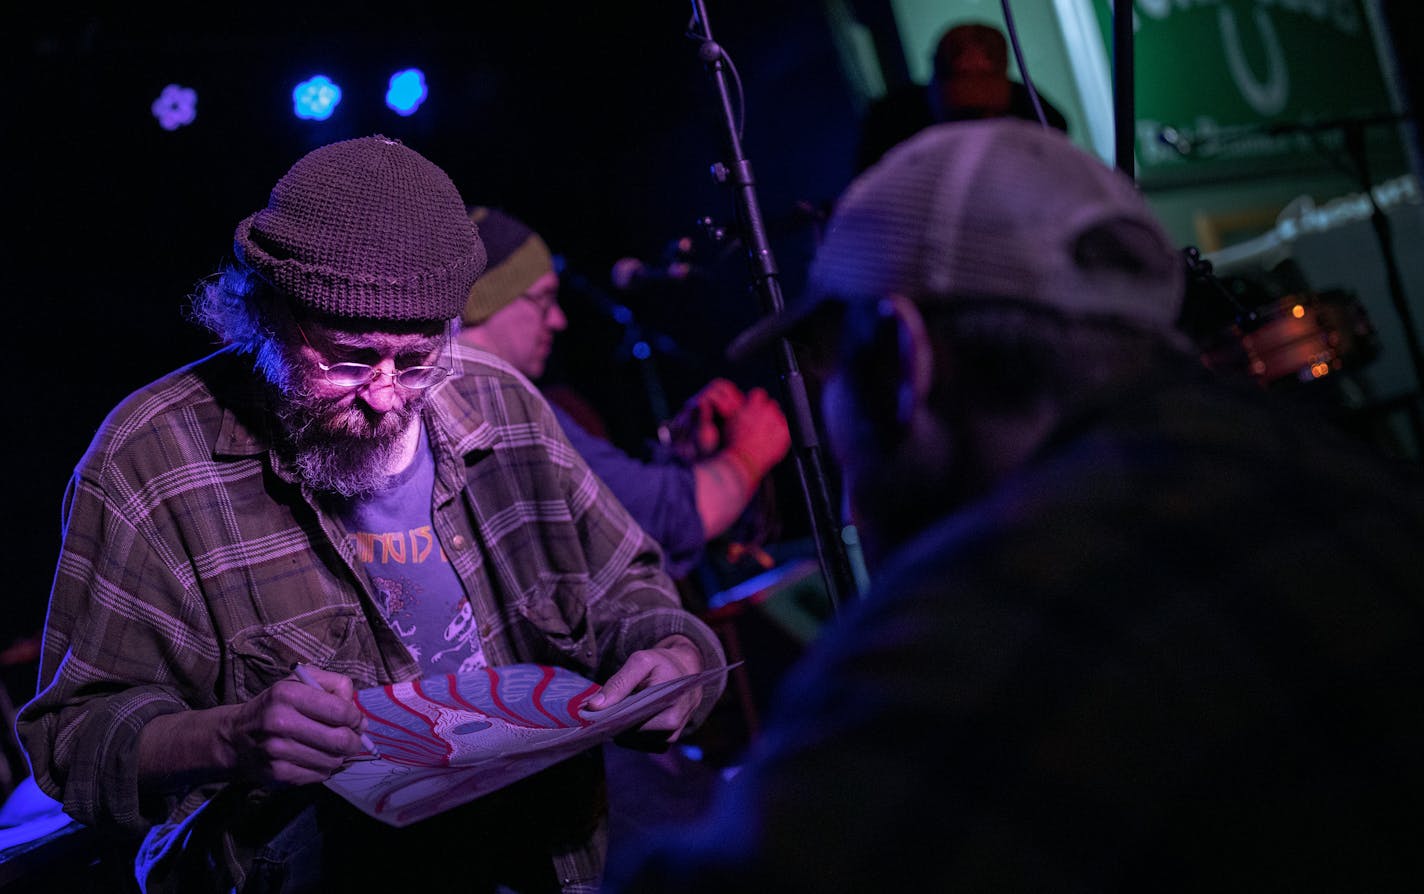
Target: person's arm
127, 718
738, 438
290, 734
108, 667
672, 657
723, 484
660, 495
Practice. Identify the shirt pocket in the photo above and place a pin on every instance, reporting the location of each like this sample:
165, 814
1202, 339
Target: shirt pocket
554, 615
327, 638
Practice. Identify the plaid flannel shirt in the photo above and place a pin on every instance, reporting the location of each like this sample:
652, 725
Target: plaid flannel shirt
195, 570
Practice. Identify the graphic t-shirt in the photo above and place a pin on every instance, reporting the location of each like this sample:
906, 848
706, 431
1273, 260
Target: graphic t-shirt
416, 589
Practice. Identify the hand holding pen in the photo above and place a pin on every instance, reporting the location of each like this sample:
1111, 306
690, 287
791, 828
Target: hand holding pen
299, 731
304, 673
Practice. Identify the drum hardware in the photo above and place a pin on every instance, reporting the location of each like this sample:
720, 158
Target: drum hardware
1299, 338
1278, 340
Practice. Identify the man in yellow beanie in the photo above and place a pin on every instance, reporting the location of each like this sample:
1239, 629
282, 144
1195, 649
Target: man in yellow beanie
513, 312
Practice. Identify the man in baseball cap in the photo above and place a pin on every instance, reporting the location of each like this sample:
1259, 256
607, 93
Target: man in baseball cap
1132, 626
338, 491
969, 80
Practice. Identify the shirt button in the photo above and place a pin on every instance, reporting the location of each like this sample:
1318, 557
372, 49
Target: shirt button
458, 541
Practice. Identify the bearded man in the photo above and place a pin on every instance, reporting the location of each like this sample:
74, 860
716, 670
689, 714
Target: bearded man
342, 488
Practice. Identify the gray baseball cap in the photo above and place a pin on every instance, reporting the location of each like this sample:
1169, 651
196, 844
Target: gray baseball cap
996, 209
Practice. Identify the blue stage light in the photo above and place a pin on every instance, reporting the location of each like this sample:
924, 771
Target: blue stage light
175, 107
316, 98
407, 91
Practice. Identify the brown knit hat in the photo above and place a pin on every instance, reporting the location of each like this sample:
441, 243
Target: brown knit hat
366, 229
517, 257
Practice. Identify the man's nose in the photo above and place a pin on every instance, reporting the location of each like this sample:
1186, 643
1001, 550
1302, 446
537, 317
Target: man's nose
555, 318
381, 393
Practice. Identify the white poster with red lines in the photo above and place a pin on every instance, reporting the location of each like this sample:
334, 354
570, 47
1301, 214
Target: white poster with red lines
443, 741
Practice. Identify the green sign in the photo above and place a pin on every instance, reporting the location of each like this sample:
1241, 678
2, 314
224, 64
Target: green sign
1231, 87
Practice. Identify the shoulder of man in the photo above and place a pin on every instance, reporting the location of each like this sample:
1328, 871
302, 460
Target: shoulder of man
180, 414
486, 368
480, 373
487, 390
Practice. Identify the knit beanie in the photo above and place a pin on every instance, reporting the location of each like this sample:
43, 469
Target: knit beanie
366, 229
517, 257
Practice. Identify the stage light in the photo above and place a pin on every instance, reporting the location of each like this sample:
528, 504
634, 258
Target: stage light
316, 98
407, 91
175, 107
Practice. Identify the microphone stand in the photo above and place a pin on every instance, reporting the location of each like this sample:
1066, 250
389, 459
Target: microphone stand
1124, 89
830, 549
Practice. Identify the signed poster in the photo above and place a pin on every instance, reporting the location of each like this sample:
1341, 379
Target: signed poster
443, 741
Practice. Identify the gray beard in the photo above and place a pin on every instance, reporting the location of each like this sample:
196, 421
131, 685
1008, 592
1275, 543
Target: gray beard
346, 452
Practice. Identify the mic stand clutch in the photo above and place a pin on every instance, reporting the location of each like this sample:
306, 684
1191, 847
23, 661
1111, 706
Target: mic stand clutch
830, 549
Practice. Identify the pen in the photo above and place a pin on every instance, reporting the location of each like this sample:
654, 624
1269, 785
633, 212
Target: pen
306, 677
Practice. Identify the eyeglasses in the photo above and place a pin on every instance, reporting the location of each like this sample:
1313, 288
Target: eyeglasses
544, 304
354, 375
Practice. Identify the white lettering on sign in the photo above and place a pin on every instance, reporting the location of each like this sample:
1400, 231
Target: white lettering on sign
1268, 92
1206, 138
1303, 216
1343, 15
1267, 96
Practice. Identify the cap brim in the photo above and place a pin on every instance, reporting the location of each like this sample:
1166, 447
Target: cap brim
762, 334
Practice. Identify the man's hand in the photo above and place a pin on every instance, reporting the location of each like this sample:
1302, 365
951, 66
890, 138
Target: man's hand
291, 734
757, 434
673, 657
697, 430
294, 733
748, 436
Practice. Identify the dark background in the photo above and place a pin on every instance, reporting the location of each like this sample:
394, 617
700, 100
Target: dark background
596, 123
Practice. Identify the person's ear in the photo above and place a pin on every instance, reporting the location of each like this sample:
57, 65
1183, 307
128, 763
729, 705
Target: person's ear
888, 363
915, 358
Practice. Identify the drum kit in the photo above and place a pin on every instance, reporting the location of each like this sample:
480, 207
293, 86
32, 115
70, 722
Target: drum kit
1286, 341
1300, 338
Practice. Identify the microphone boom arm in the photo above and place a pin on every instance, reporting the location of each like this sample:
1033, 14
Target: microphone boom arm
737, 171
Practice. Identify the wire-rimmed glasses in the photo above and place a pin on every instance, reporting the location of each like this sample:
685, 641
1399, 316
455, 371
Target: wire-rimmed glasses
545, 304
354, 375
